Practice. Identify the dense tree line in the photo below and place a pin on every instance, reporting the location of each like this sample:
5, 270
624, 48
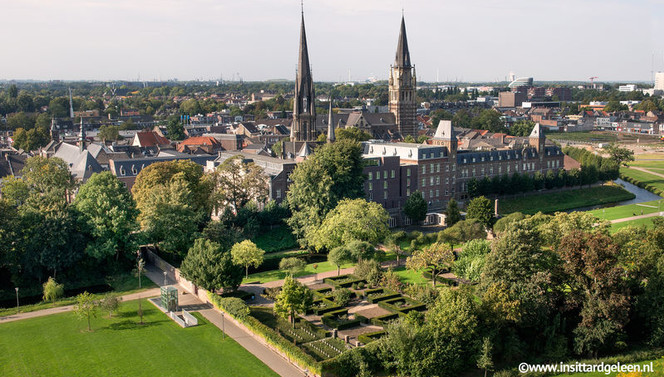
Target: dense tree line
548, 289
45, 234
594, 168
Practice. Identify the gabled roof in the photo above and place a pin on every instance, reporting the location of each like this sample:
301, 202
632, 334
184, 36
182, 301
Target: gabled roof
201, 140
151, 139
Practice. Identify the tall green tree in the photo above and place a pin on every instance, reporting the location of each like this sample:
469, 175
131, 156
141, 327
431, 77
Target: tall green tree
452, 212
597, 286
338, 256
415, 207
246, 254
619, 155
352, 133
236, 183
352, 220
110, 213
436, 257
209, 266
333, 173
293, 299
480, 208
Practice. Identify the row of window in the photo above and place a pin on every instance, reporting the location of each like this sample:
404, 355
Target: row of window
392, 174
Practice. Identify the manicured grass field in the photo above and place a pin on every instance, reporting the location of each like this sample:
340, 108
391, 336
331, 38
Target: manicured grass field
59, 345
122, 285
648, 222
564, 200
648, 179
621, 212
650, 156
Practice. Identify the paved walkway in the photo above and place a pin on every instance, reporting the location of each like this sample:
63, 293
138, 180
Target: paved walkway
62, 309
637, 217
647, 171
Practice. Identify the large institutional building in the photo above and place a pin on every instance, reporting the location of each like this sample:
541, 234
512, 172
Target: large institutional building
440, 169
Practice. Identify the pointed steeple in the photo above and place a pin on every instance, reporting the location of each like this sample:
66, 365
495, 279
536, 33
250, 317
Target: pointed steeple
330, 124
403, 55
304, 106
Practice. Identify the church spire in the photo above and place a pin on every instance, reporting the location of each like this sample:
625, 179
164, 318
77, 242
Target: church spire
304, 107
403, 55
330, 124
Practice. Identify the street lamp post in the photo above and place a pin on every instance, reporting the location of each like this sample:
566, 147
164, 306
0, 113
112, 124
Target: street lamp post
223, 325
17, 306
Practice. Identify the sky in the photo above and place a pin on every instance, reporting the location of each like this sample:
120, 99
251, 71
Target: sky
449, 40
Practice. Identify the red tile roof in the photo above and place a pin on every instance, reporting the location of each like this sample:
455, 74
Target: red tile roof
151, 139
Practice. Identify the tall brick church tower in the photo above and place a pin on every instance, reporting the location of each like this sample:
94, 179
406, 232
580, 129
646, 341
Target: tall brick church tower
402, 86
304, 107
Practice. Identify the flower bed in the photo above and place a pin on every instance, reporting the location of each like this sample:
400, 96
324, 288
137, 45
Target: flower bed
344, 281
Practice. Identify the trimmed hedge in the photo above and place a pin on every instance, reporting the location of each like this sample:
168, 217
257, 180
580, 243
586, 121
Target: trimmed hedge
332, 320
383, 297
293, 352
413, 305
371, 336
383, 319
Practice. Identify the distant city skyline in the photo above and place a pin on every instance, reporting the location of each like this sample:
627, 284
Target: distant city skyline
454, 40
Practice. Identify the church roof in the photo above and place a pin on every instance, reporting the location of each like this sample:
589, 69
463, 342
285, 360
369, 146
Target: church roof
402, 58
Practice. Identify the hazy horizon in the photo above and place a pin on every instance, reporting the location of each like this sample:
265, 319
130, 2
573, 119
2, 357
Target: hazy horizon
456, 40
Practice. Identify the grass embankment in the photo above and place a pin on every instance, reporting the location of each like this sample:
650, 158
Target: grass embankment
645, 178
122, 285
60, 345
591, 136
564, 200
621, 212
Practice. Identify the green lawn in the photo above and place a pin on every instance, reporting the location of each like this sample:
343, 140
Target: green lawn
648, 164
410, 276
564, 200
621, 212
591, 136
122, 285
648, 222
646, 178
59, 345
